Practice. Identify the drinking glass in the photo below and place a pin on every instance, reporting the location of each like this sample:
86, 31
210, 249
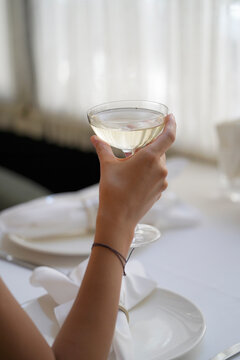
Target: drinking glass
129, 125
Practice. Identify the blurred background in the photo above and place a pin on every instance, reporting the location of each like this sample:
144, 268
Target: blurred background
60, 57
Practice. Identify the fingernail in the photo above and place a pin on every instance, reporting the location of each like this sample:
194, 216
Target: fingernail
93, 139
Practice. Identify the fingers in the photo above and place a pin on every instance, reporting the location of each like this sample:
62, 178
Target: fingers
103, 150
165, 140
164, 172
164, 185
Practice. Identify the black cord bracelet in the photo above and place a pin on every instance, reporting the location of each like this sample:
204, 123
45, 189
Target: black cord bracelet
117, 253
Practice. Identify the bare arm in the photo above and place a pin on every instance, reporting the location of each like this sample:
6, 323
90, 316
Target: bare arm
19, 337
128, 189
87, 332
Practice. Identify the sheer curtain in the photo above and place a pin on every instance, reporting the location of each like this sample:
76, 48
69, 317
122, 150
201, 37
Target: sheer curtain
7, 83
185, 53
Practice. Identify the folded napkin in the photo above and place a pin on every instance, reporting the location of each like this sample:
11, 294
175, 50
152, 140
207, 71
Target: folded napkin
171, 212
135, 287
51, 216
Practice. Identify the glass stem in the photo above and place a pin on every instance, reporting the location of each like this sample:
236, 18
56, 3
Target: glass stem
128, 153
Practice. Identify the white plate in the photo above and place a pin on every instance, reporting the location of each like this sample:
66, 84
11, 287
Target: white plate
164, 326
65, 245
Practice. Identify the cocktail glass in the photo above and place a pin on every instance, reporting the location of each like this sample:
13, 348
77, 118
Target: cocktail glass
129, 125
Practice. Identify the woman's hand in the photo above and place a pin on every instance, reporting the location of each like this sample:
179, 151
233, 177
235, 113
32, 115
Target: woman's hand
130, 186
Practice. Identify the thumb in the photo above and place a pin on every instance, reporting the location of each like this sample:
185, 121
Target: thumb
103, 150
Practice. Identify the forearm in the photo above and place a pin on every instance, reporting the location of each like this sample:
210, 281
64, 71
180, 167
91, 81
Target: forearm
20, 339
88, 330
87, 333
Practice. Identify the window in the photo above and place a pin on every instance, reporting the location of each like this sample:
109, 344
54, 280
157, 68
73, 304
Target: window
185, 53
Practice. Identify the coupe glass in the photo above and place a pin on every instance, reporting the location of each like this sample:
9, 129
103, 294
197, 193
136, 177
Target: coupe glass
129, 125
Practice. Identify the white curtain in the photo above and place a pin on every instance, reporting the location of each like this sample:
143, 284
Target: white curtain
184, 53
7, 83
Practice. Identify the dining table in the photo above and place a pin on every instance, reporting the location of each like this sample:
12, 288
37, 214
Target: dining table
201, 262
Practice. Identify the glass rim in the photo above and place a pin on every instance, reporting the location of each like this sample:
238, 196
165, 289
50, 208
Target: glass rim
120, 104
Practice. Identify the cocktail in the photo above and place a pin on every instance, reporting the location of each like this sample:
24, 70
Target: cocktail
129, 125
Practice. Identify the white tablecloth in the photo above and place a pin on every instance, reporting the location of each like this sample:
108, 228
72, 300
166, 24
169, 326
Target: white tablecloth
200, 263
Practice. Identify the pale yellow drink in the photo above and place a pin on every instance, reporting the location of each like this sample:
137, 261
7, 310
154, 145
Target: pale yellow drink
129, 128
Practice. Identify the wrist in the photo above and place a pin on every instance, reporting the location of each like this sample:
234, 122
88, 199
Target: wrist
114, 232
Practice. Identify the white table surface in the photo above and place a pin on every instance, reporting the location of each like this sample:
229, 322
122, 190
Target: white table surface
201, 263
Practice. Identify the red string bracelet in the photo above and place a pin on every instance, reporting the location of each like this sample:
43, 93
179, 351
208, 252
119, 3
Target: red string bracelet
117, 253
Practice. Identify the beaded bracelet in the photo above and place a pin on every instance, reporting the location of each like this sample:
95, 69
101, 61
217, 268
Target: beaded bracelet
117, 253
